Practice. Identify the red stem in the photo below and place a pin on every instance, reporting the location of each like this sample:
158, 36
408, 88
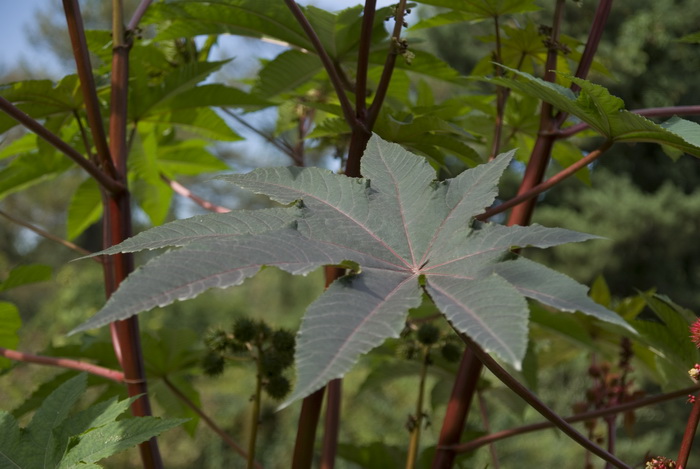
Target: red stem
96, 370
457, 410
117, 228
689, 434
388, 70
138, 14
49, 236
337, 83
330, 435
540, 406
208, 421
363, 59
548, 184
185, 192
502, 435
20, 116
306, 433
81, 52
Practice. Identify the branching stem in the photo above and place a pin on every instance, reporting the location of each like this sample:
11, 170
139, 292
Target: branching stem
416, 421
207, 420
13, 111
345, 104
540, 406
689, 434
627, 406
548, 184
49, 236
185, 192
96, 370
255, 411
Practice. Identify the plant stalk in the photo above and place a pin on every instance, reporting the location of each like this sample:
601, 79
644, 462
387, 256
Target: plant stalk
117, 228
49, 236
332, 424
502, 435
540, 406
27, 121
68, 363
417, 421
255, 411
689, 434
457, 411
207, 420
548, 184
337, 83
87, 82
306, 430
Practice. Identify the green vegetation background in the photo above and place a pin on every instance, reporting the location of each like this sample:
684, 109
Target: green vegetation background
644, 204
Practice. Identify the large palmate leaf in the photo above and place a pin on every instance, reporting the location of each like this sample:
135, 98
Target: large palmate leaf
399, 232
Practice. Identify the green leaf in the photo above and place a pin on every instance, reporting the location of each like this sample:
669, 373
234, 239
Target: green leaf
202, 121
144, 98
606, 114
188, 157
670, 335
29, 169
398, 230
41, 98
85, 208
10, 323
25, 144
210, 95
26, 274
484, 9
114, 437
206, 227
240, 17
56, 439
152, 194
286, 72
40, 448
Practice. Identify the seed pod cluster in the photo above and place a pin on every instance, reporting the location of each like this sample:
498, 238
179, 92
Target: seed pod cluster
271, 349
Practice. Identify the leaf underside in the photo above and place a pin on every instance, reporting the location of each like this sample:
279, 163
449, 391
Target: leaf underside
408, 233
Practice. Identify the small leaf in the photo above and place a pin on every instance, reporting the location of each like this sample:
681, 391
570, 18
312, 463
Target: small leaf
10, 323
26, 274
286, 72
85, 208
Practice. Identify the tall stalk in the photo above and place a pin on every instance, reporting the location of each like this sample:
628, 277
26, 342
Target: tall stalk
112, 160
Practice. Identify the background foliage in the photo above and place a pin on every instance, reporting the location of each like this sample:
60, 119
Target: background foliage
639, 200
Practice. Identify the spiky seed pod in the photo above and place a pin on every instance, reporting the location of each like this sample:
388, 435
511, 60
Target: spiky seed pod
244, 329
428, 334
213, 364
407, 350
277, 387
283, 341
273, 363
451, 352
217, 340
237, 347
263, 330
